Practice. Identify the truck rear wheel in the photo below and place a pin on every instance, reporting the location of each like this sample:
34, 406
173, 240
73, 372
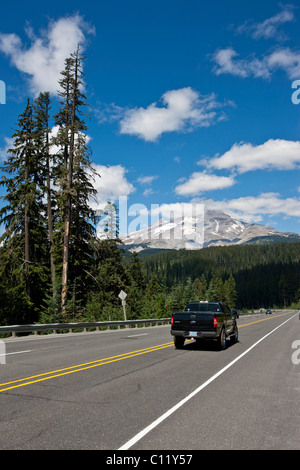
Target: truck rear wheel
235, 337
178, 342
222, 339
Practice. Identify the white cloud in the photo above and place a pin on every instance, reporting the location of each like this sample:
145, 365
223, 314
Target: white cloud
175, 210
287, 60
270, 27
253, 209
148, 192
111, 184
109, 112
200, 182
44, 59
227, 63
147, 179
3, 151
182, 109
274, 154
283, 58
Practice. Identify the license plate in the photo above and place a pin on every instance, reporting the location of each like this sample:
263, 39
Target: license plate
193, 333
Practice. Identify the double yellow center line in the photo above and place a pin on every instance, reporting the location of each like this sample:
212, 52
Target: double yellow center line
265, 319
100, 362
79, 367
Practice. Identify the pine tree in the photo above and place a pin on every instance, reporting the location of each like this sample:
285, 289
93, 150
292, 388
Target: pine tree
188, 294
111, 273
200, 288
135, 269
136, 290
82, 248
175, 299
46, 162
77, 220
216, 289
110, 221
154, 300
230, 292
22, 216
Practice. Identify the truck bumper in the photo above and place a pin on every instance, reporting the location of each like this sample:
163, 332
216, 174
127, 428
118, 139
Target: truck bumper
196, 334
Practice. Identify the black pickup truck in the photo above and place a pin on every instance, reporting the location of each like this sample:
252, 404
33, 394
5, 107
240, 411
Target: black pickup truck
202, 320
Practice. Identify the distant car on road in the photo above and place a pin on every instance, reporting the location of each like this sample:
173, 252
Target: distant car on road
268, 311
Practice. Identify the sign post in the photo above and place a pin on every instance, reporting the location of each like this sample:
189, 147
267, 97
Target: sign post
123, 296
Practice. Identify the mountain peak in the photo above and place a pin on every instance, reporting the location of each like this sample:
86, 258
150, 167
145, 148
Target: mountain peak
213, 228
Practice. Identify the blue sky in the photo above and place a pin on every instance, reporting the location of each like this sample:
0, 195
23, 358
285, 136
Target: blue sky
192, 100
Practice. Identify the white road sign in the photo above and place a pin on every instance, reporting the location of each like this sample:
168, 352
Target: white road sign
122, 295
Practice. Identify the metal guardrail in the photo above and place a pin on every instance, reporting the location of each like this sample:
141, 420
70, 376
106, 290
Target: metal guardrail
55, 327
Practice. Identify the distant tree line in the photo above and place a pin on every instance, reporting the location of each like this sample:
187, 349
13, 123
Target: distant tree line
264, 275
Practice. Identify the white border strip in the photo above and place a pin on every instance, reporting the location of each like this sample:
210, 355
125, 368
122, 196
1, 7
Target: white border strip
172, 410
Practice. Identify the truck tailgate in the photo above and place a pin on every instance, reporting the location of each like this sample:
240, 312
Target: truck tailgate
193, 321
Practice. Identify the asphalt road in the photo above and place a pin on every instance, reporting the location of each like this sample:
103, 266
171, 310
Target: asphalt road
132, 390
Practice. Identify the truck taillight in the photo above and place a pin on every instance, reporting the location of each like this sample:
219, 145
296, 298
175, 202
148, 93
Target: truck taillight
215, 322
172, 321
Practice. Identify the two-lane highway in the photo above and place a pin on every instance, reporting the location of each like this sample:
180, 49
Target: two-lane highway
131, 389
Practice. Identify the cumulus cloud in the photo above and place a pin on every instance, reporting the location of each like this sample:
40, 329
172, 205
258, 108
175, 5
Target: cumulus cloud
255, 208
43, 61
110, 184
283, 58
227, 62
274, 154
251, 209
200, 182
178, 110
287, 60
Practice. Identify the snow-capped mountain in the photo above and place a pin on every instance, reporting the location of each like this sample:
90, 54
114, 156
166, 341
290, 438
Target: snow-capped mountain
214, 228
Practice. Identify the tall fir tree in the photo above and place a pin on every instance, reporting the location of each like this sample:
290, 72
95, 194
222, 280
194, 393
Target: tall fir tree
200, 288
46, 163
22, 216
77, 220
230, 292
136, 291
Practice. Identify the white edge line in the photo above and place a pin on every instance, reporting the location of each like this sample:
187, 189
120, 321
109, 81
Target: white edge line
159, 420
16, 352
140, 334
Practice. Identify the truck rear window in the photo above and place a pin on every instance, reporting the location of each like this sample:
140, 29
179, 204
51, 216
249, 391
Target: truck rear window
203, 307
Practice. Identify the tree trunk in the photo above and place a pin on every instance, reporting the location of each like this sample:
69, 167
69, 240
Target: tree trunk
49, 215
26, 230
68, 206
